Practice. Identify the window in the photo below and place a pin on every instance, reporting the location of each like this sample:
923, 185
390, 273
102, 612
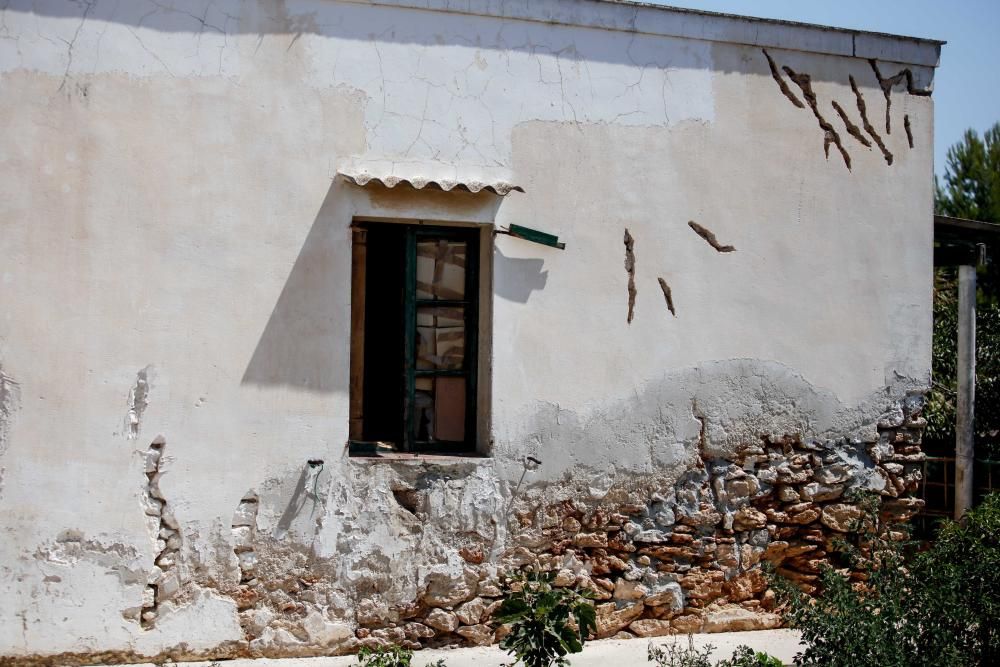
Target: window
415, 330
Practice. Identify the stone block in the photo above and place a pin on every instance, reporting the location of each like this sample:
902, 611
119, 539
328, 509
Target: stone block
477, 635
840, 516
471, 612
651, 627
324, 632
687, 624
591, 540
610, 622
442, 620
738, 619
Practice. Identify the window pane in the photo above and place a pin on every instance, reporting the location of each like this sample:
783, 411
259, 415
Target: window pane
440, 338
440, 409
441, 269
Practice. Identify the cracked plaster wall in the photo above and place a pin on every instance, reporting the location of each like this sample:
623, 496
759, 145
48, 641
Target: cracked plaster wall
169, 202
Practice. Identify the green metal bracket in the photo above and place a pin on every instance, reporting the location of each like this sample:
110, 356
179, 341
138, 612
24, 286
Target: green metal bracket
535, 236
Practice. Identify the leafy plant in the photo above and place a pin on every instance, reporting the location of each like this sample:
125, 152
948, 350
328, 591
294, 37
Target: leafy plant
389, 656
744, 656
959, 611
672, 655
547, 622
939, 607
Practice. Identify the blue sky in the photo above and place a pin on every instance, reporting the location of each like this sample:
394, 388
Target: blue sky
967, 84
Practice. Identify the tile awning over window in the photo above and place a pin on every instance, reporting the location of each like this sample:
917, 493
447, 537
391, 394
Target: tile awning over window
390, 178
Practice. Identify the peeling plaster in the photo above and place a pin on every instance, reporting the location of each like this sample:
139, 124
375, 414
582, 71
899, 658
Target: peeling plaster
164, 580
138, 401
10, 400
630, 270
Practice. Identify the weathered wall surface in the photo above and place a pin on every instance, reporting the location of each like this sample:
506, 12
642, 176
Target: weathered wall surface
175, 333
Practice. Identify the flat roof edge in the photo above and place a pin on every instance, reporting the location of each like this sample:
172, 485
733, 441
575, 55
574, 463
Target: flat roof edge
661, 20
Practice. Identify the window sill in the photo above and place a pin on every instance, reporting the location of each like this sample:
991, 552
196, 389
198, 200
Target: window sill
419, 459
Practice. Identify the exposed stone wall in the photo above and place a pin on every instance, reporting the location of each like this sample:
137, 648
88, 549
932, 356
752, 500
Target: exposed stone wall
684, 557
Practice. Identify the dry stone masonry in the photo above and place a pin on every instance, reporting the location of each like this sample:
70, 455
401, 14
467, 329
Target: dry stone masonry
658, 560
675, 551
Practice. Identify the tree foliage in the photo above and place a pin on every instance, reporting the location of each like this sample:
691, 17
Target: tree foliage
547, 622
971, 190
939, 607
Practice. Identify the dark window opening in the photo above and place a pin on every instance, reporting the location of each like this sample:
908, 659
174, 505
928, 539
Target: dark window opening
414, 339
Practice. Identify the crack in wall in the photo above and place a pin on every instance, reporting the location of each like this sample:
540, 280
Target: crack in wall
709, 237
244, 527
887, 83
785, 90
630, 269
138, 401
804, 82
72, 43
852, 129
163, 582
909, 130
869, 128
667, 296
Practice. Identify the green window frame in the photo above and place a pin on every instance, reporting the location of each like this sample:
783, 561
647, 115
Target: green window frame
424, 307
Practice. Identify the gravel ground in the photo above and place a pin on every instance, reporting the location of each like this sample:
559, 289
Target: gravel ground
783, 644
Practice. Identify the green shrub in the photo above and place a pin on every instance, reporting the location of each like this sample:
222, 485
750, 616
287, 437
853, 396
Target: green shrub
940, 607
672, 655
744, 656
542, 619
959, 577
389, 656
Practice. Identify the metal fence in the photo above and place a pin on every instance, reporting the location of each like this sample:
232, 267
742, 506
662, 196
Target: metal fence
937, 488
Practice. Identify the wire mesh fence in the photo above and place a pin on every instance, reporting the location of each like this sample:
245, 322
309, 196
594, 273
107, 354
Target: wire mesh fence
937, 488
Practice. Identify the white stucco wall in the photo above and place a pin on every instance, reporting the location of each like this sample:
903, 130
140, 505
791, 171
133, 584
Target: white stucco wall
169, 205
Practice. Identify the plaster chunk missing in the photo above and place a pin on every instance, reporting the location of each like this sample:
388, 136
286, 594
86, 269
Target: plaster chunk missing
830, 135
667, 296
630, 269
709, 237
138, 401
10, 398
852, 129
887, 84
869, 128
785, 90
163, 581
244, 527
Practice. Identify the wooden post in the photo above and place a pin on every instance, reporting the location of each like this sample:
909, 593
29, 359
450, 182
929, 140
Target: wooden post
965, 418
358, 274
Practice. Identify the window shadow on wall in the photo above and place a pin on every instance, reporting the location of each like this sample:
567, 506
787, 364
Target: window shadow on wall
299, 346
515, 279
